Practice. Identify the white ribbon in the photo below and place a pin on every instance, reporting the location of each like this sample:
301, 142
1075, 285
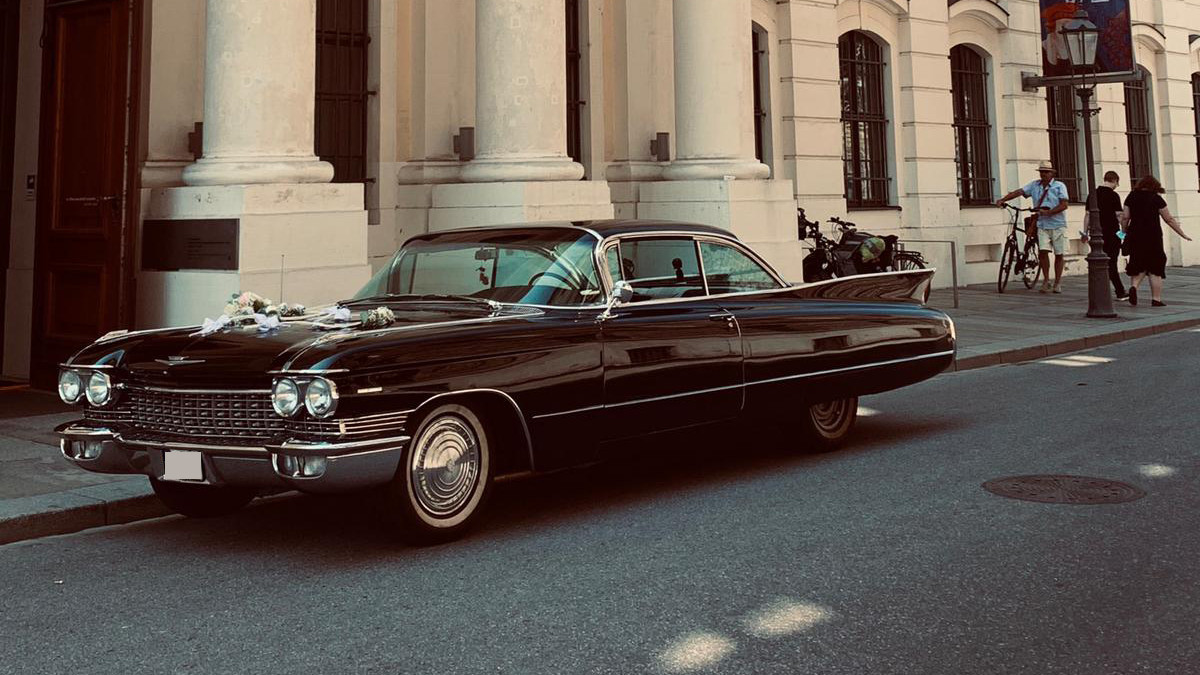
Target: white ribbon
336, 313
211, 326
265, 322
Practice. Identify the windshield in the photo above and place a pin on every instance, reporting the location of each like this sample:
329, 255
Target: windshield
531, 267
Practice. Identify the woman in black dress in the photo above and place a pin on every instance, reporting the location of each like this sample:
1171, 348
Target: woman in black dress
1144, 238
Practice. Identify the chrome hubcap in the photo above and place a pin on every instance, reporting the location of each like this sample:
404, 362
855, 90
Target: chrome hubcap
830, 415
445, 466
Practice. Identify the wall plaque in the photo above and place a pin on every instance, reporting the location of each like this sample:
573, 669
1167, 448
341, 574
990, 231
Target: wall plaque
169, 245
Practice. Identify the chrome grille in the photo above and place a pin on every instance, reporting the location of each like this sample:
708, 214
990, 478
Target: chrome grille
243, 414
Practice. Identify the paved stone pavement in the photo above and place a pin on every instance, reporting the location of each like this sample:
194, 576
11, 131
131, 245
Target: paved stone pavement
42, 494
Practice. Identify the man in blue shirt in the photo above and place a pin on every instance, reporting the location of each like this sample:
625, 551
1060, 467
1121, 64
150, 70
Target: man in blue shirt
1049, 199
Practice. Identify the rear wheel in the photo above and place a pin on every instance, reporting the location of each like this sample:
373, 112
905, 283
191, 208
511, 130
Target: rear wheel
1032, 270
907, 261
201, 501
444, 478
1006, 263
825, 425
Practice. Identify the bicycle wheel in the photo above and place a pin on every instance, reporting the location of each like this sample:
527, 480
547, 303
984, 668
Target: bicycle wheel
906, 261
1006, 263
1031, 270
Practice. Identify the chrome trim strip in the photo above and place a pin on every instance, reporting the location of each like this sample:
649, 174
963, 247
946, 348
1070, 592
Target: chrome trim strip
335, 447
88, 431
95, 366
748, 384
590, 408
308, 371
370, 452
214, 449
949, 352
164, 390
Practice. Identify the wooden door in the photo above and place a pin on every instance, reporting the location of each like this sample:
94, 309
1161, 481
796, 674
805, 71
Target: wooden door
9, 45
82, 276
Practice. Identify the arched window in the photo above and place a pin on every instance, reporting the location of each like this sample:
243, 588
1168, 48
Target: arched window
1196, 115
864, 121
972, 131
1138, 131
1064, 139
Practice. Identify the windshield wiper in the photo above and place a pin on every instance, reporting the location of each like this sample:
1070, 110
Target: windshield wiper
491, 304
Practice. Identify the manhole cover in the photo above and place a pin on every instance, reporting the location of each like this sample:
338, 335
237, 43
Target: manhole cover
1064, 489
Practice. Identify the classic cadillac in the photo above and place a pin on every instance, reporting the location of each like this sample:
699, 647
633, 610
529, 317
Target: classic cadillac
493, 352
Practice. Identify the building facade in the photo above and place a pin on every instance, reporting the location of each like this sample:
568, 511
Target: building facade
163, 154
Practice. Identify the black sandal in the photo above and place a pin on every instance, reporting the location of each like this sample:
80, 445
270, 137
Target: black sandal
1133, 296
1157, 303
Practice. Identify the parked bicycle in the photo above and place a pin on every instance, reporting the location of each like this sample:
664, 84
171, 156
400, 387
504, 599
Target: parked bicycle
854, 253
1022, 259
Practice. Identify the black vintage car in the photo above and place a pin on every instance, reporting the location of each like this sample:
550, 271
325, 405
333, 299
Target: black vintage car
489, 352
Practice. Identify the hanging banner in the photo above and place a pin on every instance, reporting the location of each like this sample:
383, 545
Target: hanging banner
1114, 49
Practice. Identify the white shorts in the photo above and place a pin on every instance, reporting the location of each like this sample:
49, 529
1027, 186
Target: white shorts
1053, 240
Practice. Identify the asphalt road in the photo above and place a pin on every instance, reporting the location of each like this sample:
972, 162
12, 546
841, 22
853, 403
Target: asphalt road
721, 552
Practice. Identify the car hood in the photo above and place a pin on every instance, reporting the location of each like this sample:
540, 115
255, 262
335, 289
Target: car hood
245, 356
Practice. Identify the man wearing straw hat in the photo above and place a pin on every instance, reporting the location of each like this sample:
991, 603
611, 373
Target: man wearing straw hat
1049, 197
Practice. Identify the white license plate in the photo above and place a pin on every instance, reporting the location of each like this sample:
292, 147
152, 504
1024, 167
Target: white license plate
182, 465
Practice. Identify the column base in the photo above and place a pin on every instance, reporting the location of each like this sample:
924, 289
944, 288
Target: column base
257, 170
716, 169
762, 213
299, 243
429, 171
513, 170
469, 205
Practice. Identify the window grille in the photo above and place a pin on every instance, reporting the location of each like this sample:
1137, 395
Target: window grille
342, 89
1196, 116
758, 55
1064, 138
864, 122
1137, 128
574, 84
972, 131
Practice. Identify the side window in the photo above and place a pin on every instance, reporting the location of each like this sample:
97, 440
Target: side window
728, 270
661, 268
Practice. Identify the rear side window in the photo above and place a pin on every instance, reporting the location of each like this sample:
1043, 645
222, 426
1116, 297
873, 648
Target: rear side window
729, 270
657, 268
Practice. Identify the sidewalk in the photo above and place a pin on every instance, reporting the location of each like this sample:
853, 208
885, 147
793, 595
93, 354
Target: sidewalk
42, 494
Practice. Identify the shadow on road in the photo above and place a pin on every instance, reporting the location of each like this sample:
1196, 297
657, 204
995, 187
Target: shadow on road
657, 469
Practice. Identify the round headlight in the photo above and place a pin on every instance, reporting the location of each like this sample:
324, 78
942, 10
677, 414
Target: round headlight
285, 397
99, 388
320, 398
70, 386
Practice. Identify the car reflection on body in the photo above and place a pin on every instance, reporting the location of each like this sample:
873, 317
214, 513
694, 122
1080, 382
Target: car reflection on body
504, 351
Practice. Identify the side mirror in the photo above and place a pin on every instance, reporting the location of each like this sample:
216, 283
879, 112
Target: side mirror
622, 293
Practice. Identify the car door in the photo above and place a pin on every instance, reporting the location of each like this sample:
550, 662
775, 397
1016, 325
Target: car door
672, 356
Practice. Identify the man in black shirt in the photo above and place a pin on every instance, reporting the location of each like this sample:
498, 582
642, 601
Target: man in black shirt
1109, 205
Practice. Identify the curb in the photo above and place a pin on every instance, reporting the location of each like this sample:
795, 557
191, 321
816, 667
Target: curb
1040, 351
124, 501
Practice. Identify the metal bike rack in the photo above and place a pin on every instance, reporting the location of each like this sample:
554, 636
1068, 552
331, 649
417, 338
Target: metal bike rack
953, 261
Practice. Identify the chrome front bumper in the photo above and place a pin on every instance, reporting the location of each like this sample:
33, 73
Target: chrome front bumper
346, 467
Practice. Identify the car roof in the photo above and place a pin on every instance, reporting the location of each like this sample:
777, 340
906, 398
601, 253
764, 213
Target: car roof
604, 228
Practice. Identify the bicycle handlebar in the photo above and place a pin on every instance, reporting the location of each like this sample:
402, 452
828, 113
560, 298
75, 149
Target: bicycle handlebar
1016, 208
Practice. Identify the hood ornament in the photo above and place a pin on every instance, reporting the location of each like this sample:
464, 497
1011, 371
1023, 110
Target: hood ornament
178, 361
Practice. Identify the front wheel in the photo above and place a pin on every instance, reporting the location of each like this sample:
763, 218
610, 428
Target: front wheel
201, 501
444, 477
825, 425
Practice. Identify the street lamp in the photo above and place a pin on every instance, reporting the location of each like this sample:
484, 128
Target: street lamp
1081, 36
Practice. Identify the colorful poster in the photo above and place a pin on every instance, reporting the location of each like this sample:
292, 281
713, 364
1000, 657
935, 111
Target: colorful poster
1114, 49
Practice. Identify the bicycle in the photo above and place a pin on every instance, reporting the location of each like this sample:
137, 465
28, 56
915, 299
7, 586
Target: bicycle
1022, 259
830, 259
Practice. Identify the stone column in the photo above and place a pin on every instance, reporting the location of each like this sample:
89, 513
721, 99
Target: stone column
521, 82
259, 95
713, 91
